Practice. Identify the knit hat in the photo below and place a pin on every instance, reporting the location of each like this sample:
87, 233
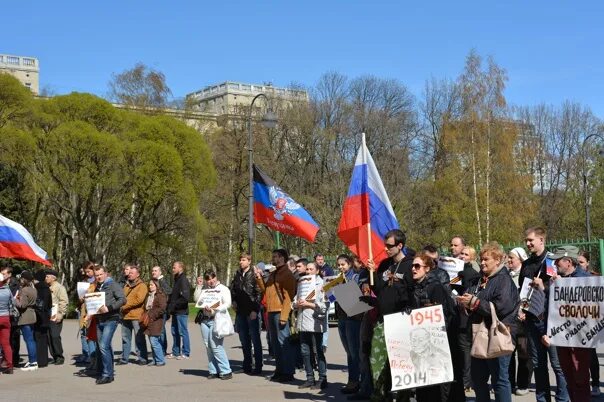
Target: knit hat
519, 251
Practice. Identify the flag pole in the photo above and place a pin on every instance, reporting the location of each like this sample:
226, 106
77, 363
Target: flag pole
368, 214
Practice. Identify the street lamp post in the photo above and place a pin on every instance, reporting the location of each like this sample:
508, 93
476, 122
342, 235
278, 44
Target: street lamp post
585, 185
269, 120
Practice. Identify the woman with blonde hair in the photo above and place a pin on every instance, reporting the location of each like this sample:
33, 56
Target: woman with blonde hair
468, 255
496, 287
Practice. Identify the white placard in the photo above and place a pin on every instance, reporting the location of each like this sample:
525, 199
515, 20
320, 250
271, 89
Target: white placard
93, 302
307, 284
576, 307
526, 287
209, 298
453, 266
82, 288
347, 295
418, 348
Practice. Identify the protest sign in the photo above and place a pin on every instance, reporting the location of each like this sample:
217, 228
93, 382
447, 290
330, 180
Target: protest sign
575, 312
82, 288
347, 295
525, 290
209, 298
418, 348
453, 266
307, 284
93, 302
329, 283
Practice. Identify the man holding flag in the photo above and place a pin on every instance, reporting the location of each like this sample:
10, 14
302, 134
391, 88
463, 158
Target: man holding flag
279, 289
370, 230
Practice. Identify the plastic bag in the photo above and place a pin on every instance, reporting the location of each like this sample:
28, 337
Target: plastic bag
223, 325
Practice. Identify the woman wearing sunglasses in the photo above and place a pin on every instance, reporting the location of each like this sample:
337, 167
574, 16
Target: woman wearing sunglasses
429, 291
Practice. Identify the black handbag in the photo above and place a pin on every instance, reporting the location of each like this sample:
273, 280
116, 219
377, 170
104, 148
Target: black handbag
199, 317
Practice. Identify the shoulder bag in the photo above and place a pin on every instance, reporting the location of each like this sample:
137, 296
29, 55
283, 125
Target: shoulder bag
490, 343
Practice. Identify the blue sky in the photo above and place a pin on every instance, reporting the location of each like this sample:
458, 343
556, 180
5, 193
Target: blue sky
553, 51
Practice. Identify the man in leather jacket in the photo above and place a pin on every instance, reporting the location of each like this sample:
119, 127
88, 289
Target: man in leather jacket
246, 296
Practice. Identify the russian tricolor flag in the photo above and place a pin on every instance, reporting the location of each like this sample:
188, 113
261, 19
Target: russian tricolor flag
367, 214
277, 210
16, 242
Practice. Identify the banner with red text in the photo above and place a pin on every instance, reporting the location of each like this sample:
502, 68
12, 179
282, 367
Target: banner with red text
418, 348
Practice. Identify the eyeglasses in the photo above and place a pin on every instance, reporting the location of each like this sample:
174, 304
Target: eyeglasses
417, 266
390, 245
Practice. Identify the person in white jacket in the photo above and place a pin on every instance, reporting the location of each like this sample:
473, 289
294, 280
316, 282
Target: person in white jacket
311, 326
216, 300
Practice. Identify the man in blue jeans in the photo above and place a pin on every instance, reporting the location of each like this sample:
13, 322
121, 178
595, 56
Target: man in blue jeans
178, 307
535, 266
246, 297
107, 319
279, 289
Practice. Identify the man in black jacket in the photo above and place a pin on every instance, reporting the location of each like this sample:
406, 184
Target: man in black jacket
178, 307
392, 282
246, 297
535, 266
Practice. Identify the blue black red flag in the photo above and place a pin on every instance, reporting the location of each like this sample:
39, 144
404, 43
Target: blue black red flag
277, 210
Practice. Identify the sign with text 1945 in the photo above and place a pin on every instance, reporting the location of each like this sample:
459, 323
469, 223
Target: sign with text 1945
575, 315
418, 348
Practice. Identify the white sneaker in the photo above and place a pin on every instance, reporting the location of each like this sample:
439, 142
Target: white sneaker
29, 367
595, 391
522, 391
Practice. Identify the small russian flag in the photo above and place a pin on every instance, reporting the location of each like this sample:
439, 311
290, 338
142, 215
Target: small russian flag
17, 242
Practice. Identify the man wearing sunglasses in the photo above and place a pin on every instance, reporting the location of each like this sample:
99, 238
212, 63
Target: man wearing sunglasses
393, 278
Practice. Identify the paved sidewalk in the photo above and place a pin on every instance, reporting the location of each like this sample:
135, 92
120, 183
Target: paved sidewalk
179, 380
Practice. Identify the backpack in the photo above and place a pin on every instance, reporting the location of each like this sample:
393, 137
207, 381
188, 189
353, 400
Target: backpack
42, 312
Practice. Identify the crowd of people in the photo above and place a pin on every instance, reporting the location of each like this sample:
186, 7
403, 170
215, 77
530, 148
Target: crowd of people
34, 306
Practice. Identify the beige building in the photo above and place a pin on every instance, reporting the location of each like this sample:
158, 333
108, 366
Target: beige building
25, 69
229, 97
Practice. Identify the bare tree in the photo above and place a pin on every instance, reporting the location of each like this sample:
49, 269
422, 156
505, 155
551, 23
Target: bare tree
140, 87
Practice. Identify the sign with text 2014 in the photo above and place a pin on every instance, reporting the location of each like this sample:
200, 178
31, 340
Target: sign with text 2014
418, 348
575, 317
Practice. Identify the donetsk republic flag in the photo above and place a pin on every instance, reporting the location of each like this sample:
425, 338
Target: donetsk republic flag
277, 210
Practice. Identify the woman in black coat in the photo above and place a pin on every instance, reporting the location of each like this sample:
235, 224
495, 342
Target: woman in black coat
43, 308
428, 290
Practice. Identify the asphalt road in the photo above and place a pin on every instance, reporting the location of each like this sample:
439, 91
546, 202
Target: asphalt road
182, 380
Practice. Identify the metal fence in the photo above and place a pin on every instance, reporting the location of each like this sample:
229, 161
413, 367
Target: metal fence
595, 248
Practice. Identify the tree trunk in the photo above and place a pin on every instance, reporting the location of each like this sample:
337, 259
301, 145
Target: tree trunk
475, 185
